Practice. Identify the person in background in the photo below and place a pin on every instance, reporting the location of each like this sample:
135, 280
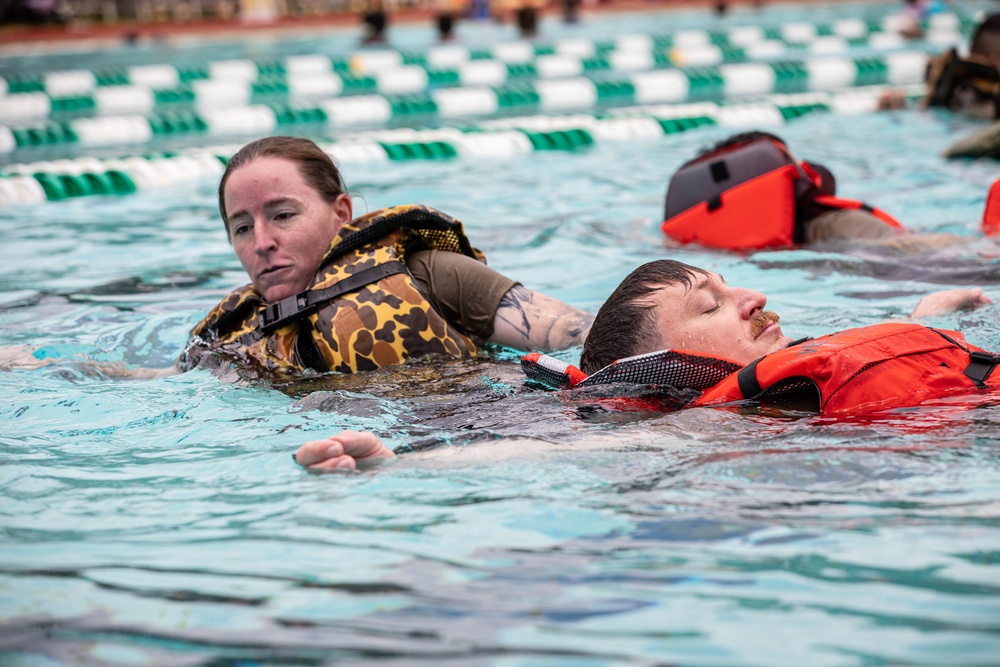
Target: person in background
571, 11
447, 12
969, 84
375, 19
333, 293
524, 12
749, 191
913, 14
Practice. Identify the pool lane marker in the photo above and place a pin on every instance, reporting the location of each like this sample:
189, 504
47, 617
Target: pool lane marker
63, 179
543, 96
148, 88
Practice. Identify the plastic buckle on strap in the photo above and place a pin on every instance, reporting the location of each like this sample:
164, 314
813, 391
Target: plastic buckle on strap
285, 311
980, 367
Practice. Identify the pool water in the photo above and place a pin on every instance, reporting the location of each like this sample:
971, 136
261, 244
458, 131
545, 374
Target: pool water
164, 522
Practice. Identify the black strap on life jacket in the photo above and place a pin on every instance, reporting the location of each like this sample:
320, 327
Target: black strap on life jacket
747, 379
747, 376
981, 364
303, 304
309, 354
980, 367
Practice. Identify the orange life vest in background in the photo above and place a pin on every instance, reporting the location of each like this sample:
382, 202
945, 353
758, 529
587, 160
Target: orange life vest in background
878, 367
748, 195
991, 216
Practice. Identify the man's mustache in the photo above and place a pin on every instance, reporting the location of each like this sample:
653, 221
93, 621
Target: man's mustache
761, 320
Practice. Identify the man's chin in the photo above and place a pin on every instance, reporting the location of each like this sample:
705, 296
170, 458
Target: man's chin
780, 344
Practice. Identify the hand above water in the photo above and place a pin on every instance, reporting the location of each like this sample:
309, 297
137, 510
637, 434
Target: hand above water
348, 450
948, 301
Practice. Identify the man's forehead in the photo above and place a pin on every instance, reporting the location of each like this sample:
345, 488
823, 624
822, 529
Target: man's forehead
705, 280
698, 280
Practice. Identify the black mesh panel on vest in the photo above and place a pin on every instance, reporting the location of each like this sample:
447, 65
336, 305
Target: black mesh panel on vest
668, 368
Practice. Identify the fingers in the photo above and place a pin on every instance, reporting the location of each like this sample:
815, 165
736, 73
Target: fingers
971, 298
337, 463
948, 301
363, 445
345, 451
318, 451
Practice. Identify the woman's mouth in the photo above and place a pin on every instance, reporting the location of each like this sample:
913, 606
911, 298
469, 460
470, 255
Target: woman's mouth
272, 269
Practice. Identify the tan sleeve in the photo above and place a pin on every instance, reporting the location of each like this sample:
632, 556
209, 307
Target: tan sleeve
466, 292
846, 224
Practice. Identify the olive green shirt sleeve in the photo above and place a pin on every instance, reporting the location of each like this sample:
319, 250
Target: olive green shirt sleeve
846, 224
466, 292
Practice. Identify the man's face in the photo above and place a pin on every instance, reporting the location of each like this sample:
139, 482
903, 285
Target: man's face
715, 319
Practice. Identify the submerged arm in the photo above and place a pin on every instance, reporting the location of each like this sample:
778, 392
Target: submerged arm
527, 320
22, 357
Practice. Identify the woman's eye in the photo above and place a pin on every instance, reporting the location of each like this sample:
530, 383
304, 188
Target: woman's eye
240, 229
283, 215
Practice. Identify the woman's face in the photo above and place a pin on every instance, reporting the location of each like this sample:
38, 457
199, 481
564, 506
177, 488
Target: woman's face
281, 228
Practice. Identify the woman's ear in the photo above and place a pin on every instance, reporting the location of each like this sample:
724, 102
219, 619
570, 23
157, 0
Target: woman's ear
343, 210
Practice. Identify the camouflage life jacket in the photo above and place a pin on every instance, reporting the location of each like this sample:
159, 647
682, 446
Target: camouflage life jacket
363, 311
970, 84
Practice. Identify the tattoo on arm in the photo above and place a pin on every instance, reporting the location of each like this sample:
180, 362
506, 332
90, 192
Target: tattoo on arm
527, 320
512, 309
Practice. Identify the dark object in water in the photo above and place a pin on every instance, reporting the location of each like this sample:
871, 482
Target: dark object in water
982, 143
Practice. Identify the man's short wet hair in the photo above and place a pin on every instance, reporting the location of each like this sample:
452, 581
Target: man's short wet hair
626, 324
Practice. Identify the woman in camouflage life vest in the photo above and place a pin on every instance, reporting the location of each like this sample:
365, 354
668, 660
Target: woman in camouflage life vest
331, 293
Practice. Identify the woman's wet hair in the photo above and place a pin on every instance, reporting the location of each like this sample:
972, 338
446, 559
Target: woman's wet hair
627, 321
316, 167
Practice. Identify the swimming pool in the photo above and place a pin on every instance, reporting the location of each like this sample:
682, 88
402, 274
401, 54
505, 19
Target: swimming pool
163, 522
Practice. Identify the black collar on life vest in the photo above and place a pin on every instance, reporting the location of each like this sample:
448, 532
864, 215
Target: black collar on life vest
668, 368
671, 369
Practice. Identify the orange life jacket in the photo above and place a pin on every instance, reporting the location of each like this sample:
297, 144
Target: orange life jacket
749, 195
878, 367
991, 216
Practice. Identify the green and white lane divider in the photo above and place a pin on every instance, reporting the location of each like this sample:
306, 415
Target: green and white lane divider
38, 182
541, 96
144, 89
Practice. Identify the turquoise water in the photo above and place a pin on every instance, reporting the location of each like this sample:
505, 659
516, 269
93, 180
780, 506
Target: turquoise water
164, 523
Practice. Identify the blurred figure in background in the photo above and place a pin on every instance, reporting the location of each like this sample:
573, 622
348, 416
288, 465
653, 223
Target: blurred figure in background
32, 12
914, 12
571, 11
971, 84
524, 12
448, 11
375, 19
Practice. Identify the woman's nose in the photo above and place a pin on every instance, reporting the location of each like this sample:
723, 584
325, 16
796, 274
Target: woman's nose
264, 240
